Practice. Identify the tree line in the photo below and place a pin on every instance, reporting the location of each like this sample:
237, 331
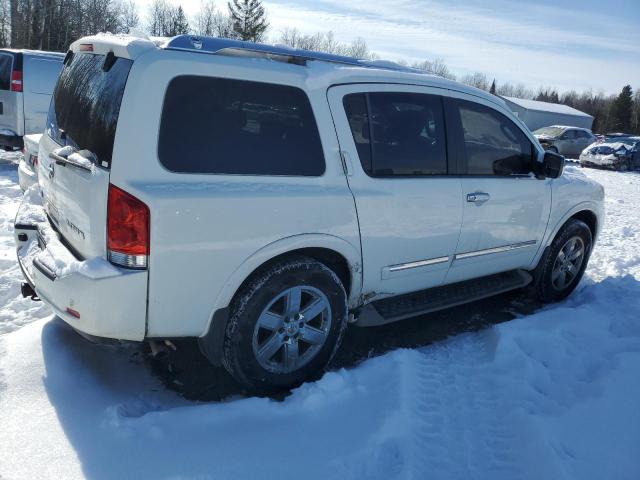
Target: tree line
55, 24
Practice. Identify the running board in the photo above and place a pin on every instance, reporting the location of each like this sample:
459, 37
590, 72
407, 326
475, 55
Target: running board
392, 309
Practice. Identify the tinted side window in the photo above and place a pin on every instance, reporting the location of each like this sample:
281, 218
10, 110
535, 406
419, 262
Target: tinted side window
493, 144
355, 105
5, 71
569, 135
398, 134
216, 125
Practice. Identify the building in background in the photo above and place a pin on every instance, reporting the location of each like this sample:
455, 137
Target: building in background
537, 114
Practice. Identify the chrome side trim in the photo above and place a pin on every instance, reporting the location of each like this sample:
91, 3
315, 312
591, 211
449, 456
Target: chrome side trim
488, 251
420, 263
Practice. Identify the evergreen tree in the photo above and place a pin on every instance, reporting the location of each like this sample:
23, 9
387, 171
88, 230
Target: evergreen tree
179, 23
249, 19
622, 110
492, 90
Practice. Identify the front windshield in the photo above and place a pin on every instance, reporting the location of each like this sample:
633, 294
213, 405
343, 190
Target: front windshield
549, 131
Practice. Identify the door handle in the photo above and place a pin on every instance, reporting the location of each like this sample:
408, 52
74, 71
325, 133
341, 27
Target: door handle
478, 197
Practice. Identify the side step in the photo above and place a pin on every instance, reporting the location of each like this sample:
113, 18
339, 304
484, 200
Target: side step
392, 309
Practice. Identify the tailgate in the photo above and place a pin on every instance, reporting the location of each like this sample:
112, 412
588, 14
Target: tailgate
75, 152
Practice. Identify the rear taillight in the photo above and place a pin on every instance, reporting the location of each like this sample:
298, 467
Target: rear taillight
128, 222
16, 81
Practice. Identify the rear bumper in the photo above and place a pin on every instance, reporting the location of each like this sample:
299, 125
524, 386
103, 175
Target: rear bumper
26, 176
11, 141
93, 296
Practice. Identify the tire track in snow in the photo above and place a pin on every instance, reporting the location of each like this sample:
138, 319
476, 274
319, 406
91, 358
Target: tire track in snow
457, 415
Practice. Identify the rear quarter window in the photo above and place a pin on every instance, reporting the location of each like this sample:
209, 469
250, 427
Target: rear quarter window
222, 126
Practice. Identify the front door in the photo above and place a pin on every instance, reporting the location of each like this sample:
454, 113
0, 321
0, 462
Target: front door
506, 208
392, 139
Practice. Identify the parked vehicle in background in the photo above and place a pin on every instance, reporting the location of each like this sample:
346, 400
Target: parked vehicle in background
568, 141
617, 153
271, 195
27, 79
27, 168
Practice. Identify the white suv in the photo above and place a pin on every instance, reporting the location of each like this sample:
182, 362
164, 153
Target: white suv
260, 198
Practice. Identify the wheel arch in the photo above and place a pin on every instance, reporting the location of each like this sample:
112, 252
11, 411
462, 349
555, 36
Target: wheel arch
588, 212
338, 254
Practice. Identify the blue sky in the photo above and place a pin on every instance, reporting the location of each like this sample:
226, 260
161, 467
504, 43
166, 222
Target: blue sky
567, 44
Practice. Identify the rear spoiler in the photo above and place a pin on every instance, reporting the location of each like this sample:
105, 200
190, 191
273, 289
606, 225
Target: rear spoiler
123, 46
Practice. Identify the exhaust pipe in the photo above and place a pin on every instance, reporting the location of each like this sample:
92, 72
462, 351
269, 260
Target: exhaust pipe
27, 291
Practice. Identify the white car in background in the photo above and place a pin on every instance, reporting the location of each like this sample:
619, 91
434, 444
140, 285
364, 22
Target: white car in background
27, 168
260, 198
615, 153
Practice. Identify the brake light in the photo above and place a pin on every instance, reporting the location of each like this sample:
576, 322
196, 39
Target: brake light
16, 81
128, 221
86, 47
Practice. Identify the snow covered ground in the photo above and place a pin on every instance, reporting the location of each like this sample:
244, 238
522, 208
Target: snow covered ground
553, 394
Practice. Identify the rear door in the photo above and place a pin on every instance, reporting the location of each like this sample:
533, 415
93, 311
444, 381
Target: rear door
75, 152
40, 74
393, 141
506, 208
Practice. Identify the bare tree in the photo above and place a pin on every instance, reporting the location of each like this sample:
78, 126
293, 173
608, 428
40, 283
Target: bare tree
5, 25
166, 20
129, 17
210, 21
325, 42
436, 67
476, 79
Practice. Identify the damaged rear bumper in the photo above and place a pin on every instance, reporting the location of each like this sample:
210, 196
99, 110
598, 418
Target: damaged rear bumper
92, 295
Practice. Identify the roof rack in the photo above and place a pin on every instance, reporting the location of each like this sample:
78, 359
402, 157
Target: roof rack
225, 46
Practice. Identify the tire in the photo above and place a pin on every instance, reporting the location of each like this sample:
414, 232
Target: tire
557, 275
269, 344
625, 166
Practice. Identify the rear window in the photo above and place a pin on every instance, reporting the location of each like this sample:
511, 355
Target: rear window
5, 71
86, 103
41, 75
222, 126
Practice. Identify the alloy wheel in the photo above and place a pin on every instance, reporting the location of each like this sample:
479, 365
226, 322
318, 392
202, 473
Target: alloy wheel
568, 263
292, 329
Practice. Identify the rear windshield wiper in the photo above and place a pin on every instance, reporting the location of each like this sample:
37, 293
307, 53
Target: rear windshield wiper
82, 159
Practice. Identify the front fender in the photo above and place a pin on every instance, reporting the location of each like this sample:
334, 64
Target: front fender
591, 206
556, 223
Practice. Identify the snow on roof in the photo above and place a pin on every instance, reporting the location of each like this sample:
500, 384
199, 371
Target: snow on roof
546, 107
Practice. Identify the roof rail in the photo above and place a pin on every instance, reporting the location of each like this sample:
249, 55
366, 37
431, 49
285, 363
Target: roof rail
226, 46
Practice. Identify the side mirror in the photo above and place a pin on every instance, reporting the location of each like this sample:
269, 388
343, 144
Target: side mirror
552, 165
